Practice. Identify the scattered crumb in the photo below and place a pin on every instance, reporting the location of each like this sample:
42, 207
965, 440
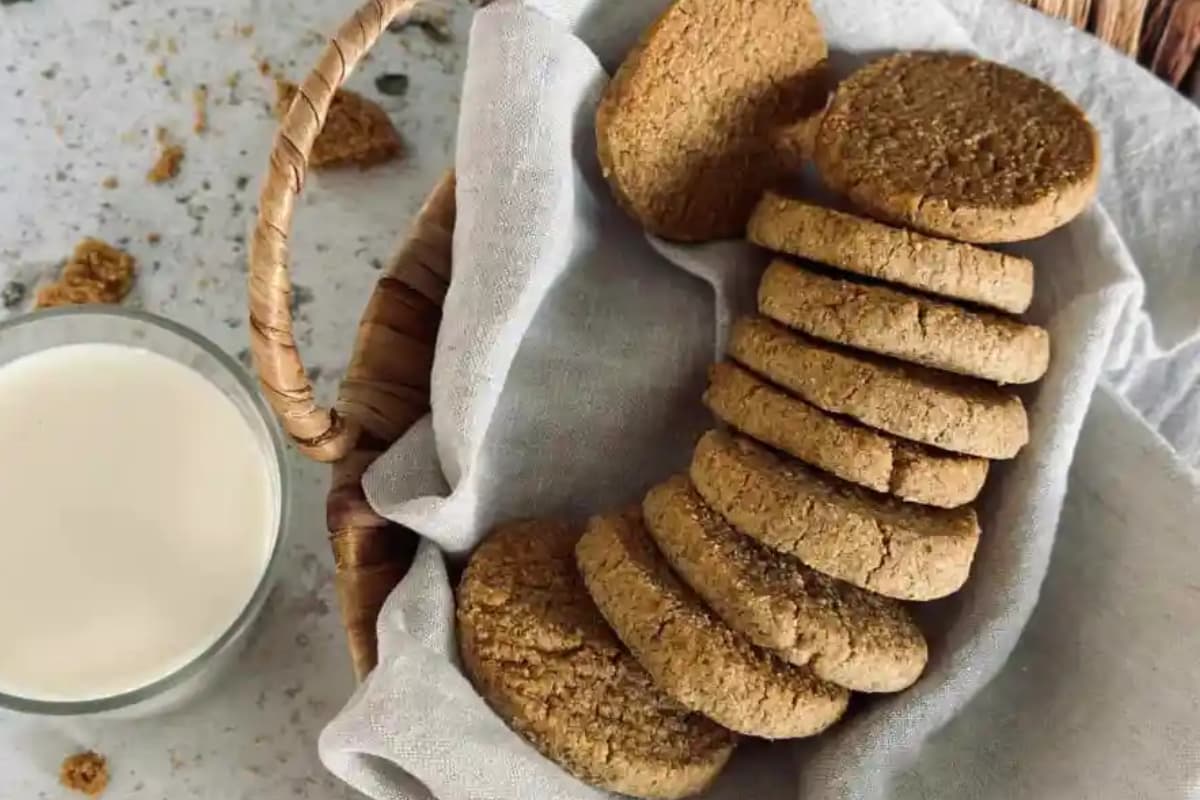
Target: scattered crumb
172, 46
357, 131
233, 80
160, 70
110, 182
97, 272
167, 165
85, 772
245, 31
264, 67
153, 237
170, 156
200, 108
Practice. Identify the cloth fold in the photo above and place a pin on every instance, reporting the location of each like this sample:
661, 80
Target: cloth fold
568, 376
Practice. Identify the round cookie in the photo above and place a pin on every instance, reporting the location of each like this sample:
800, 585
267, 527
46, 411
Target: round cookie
685, 130
539, 652
896, 549
905, 326
690, 653
956, 146
840, 446
870, 248
848, 636
947, 411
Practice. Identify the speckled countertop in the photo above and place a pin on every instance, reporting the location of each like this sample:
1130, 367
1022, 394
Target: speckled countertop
83, 86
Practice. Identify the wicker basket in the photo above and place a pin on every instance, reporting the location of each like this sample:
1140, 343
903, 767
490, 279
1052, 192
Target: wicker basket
386, 386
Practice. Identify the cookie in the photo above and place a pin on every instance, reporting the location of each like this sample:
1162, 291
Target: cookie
906, 326
947, 411
896, 549
848, 636
539, 652
840, 446
863, 246
685, 130
690, 653
956, 146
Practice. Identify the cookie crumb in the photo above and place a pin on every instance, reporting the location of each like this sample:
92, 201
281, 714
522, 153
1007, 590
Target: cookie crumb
85, 772
160, 70
200, 108
357, 131
264, 67
96, 273
153, 237
110, 182
170, 156
245, 31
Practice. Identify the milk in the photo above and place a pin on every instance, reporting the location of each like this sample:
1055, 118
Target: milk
137, 516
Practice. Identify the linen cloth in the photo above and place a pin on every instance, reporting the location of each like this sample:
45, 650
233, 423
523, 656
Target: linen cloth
567, 380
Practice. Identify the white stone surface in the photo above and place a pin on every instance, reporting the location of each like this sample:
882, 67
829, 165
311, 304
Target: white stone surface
80, 101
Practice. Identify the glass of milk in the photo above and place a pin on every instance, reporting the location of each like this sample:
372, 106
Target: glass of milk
143, 500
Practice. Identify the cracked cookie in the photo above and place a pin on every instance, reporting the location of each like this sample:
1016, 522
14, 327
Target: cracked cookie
866, 247
848, 636
539, 652
842, 447
956, 146
947, 411
907, 326
896, 549
686, 130
691, 654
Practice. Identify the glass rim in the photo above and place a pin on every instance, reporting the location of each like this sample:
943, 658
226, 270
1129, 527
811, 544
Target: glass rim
256, 599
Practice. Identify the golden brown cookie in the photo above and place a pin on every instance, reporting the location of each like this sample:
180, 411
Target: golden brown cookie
907, 326
848, 636
956, 146
863, 246
896, 549
841, 446
686, 128
539, 652
690, 653
948, 411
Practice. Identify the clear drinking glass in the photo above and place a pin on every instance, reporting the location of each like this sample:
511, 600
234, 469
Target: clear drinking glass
32, 333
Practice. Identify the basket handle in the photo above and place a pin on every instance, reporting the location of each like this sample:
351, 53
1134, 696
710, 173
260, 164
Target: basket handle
320, 433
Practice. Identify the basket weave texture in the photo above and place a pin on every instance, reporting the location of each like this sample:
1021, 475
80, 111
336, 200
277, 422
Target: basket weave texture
386, 385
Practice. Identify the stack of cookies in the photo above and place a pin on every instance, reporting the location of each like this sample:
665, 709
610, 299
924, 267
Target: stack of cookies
860, 407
